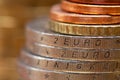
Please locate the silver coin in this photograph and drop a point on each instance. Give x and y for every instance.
(38, 31)
(31, 73)
(73, 53)
(69, 65)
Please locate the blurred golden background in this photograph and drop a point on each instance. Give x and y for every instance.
(14, 14)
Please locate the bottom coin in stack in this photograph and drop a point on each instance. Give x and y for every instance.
(31, 73)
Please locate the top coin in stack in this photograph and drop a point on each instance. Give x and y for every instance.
(90, 9)
(102, 2)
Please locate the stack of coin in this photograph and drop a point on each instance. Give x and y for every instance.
(86, 19)
(82, 41)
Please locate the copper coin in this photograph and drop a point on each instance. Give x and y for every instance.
(90, 9)
(31, 73)
(59, 15)
(106, 2)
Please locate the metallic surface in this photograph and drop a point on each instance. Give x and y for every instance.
(93, 30)
(90, 9)
(58, 14)
(73, 53)
(73, 66)
(30, 73)
(39, 32)
(106, 2)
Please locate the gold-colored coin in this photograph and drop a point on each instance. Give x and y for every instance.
(79, 66)
(92, 30)
(31, 73)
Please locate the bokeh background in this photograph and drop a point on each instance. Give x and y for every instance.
(14, 14)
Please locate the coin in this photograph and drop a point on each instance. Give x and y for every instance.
(58, 14)
(68, 65)
(108, 2)
(38, 31)
(92, 30)
(30, 73)
(90, 9)
(73, 53)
